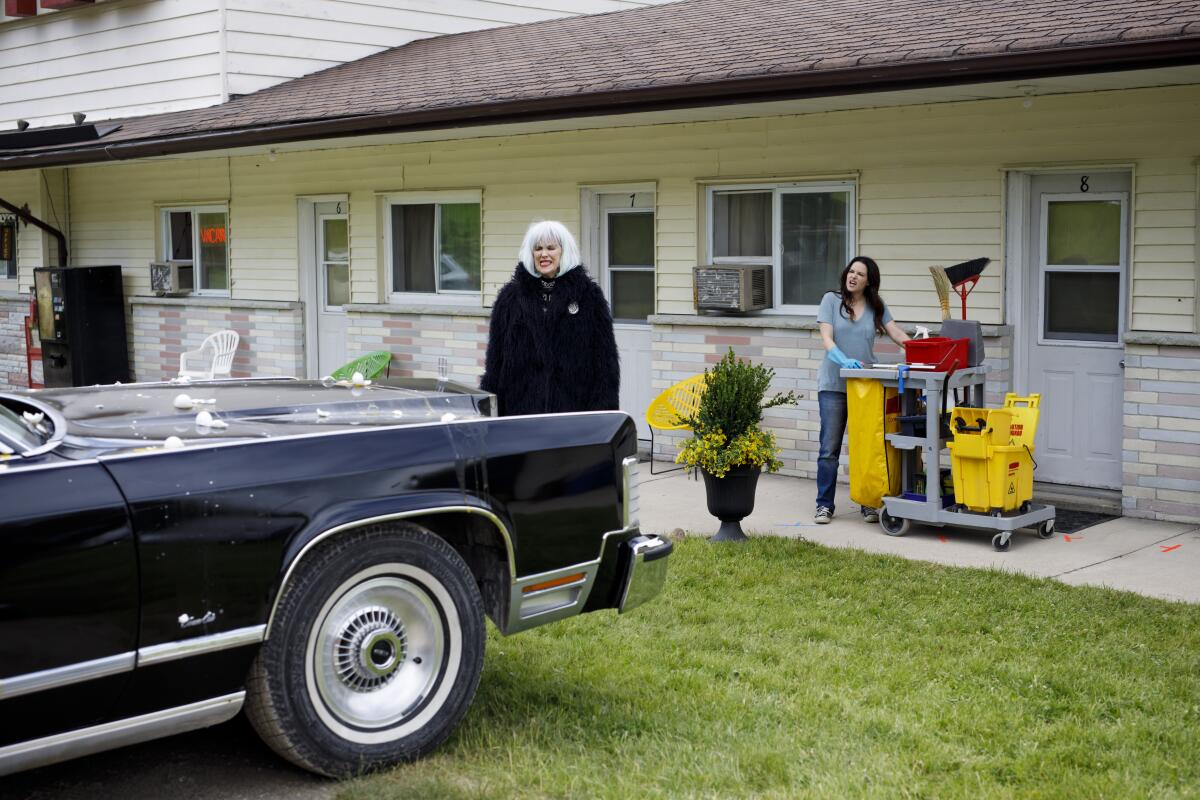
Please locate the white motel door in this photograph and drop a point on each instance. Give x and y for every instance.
(332, 290)
(1072, 321)
(627, 276)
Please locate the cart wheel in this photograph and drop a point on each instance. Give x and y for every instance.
(1045, 529)
(892, 526)
(1000, 543)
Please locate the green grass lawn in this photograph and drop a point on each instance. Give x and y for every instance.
(785, 669)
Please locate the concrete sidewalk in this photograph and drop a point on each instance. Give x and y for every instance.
(1158, 559)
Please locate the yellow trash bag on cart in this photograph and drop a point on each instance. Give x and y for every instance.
(872, 410)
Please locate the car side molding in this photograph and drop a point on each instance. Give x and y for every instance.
(200, 645)
(28, 683)
(85, 741)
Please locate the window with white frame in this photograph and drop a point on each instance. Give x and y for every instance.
(199, 235)
(434, 244)
(805, 231)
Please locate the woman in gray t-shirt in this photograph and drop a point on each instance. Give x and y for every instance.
(849, 320)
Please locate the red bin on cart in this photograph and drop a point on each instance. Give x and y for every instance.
(946, 355)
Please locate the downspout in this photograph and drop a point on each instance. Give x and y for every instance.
(24, 215)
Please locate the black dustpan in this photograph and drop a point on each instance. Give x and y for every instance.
(966, 271)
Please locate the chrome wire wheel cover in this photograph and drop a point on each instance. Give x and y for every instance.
(375, 653)
(370, 649)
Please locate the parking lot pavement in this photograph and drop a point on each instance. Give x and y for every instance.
(1158, 559)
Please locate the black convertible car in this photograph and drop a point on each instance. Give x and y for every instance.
(322, 554)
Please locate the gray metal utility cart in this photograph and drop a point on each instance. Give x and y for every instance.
(929, 439)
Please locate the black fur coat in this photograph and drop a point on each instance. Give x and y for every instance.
(556, 356)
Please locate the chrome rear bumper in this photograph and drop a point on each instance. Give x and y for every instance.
(646, 570)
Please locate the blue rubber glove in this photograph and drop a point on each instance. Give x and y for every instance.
(842, 360)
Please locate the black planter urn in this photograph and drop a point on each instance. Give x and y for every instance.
(731, 499)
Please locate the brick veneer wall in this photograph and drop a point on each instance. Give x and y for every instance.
(418, 337)
(1162, 427)
(683, 347)
(13, 373)
(271, 335)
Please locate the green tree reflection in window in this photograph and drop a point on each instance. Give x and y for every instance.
(1084, 232)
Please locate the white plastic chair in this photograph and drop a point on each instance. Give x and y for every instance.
(216, 351)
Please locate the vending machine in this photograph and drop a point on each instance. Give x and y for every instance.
(81, 319)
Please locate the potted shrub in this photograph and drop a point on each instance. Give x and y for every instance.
(728, 443)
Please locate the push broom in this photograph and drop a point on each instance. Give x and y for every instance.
(961, 278)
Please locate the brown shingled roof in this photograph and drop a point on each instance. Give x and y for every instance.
(690, 53)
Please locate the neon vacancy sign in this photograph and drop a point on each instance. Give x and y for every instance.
(212, 235)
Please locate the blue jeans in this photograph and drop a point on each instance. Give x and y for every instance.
(832, 406)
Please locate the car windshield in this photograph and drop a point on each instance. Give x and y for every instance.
(19, 430)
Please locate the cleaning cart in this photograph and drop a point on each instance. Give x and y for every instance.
(925, 432)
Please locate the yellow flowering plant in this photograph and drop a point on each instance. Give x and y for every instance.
(726, 428)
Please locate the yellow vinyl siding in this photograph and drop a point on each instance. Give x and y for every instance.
(114, 211)
(54, 204)
(676, 213)
(1163, 291)
(908, 222)
(20, 188)
(930, 189)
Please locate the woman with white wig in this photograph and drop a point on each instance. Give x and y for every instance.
(551, 346)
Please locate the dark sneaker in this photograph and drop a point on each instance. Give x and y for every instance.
(870, 515)
(823, 516)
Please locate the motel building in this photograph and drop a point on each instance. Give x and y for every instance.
(372, 193)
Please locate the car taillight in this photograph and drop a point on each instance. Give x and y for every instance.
(630, 468)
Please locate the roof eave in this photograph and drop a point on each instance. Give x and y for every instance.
(812, 83)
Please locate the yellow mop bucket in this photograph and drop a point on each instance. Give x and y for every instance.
(993, 469)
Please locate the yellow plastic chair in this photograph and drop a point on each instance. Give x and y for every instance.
(678, 400)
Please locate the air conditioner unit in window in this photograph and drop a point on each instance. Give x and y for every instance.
(171, 277)
(732, 287)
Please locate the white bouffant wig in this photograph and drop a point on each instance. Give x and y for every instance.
(549, 231)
